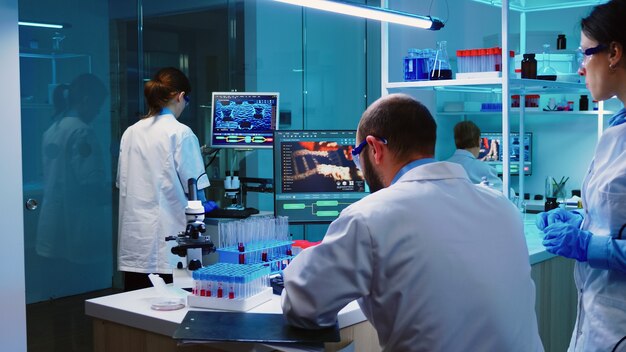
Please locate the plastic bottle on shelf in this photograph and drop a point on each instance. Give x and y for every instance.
(441, 68)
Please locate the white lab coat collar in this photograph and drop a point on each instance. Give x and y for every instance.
(435, 171)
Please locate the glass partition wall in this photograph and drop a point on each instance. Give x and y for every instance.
(320, 64)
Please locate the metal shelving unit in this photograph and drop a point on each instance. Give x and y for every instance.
(504, 85)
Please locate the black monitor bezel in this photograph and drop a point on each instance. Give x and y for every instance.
(239, 146)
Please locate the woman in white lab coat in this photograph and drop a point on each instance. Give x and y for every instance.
(158, 155)
(597, 241)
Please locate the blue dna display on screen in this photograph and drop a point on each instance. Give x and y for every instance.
(315, 177)
(491, 151)
(243, 119)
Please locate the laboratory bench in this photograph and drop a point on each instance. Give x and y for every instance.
(125, 321)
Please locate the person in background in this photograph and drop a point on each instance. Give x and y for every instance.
(158, 155)
(431, 266)
(594, 237)
(467, 141)
(72, 233)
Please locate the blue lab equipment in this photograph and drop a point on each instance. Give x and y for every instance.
(567, 241)
(558, 215)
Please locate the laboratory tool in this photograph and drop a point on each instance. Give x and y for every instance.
(554, 190)
(567, 241)
(258, 240)
(546, 72)
(441, 67)
(192, 243)
(229, 286)
(232, 190)
(561, 42)
(583, 103)
(529, 66)
(417, 64)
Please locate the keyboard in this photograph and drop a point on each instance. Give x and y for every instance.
(231, 213)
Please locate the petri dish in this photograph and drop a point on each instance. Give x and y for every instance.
(167, 303)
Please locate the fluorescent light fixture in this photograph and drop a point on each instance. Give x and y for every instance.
(372, 13)
(39, 24)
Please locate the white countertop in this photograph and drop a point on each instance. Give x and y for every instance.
(133, 308)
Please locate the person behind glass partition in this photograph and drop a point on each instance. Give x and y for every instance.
(71, 225)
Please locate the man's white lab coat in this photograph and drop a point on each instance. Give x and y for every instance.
(437, 263)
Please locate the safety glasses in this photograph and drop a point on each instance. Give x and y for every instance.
(359, 148)
(583, 55)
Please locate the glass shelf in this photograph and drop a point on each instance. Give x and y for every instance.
(492, 85)
(52, 56)
(527, 112)
(542, 5)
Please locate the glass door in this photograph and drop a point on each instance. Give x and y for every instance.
(66, 134)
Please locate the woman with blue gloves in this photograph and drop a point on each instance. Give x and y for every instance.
(594, 238)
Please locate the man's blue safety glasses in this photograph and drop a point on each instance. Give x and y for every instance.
(359, 148)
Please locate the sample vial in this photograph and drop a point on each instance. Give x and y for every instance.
(583, 103)
(561, 42)
(595, 105)
(529, 66)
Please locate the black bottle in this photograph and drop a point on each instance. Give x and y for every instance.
(561, 42)
(529, 66)
(550, 204)
(583, 103)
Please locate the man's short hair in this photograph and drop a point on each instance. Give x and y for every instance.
(406, 123)
(466, 135)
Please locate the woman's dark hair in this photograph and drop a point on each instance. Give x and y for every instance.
(59, 99)
(466, 135)
(165, 84)
(404, 122)
(606, 23)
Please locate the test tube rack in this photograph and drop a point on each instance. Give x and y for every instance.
(233, 287)
(275, 254)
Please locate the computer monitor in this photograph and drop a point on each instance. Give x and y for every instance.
(315, 177)
(243, 120)
(491, 151)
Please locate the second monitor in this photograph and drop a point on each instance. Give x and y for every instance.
(243, 119)
(315, 177)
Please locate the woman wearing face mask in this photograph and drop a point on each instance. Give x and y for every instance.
(158, 155)
(594, 238)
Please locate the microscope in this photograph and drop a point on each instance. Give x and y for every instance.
(192, 243)
(232, 190)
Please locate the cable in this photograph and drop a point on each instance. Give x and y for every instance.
(623, 338)
(212, 158)
(619, 236)
(447, 11)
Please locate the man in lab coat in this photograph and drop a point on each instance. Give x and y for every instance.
(435, 262)
(467, 141)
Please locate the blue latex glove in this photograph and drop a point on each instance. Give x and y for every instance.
(209, 205)
(558, 215)
(567, 240)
